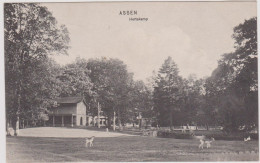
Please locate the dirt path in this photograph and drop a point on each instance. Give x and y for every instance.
(65, 132)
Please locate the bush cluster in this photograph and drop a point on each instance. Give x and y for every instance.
(215, 135)
(173, 134)
(233, 136)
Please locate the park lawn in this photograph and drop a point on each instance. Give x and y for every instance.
(126, 148)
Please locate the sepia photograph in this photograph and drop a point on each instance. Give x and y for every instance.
(130, 81)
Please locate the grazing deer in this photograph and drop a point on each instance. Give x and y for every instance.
(90, 141)
(247, 139)
(203, 140)
(206, 141)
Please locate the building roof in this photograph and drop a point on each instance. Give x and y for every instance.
(70, 100)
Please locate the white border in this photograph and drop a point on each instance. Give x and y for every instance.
(2, 90)
(40, 1)
(2, 81)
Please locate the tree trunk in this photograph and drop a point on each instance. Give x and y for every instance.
(109, 121)
(98, 117)
(140, 123)
(171, 119)
(114, 121)
(23, 123)
(7, 128)
(119, 120)
(15, 125)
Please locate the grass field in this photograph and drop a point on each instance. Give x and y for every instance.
(134, 148)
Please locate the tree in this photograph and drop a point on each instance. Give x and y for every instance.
(142, 99)
(233, 85)
(192, 104)
(39, 90)
(74, 79)
(31, 34)
(168, 92)
(112, 84)
(141, 102)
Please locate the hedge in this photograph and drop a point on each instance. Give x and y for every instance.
(172, 134)
(216, 136)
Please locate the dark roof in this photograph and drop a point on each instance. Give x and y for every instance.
(69, 100)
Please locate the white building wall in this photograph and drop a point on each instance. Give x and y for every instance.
(81, 113)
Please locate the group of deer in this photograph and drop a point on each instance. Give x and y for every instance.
(203, 139)
(207, 141)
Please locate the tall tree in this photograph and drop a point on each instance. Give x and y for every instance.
(112, 83)
(140, 102)
(192, 102)
(141, 98)
(168, 92)
(235, 80)
(74, 79)
(31, 33)
(39, 89)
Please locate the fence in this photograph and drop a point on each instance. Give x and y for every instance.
(192, 128)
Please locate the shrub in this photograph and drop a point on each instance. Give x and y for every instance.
(172, 134)
(233, 136)
(209, 134)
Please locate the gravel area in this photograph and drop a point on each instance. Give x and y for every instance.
(66, 132)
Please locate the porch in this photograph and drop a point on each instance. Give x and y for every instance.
(62, 120)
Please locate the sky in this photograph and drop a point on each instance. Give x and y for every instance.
(194, 34)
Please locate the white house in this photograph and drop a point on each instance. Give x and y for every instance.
(70, 111)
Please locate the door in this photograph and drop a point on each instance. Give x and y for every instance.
(81, 121)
